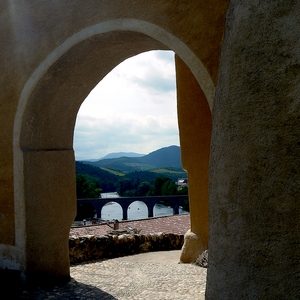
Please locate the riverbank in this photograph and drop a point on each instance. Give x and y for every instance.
(177, 224)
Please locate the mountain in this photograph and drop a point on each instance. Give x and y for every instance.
(164, 157)
(107, 172)
(167, 157)
(152, 174)
(122, 154)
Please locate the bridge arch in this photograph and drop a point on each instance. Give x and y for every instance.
(166, 203)
(100, 213)
(131, 208)
(125, 202)
(44, 127)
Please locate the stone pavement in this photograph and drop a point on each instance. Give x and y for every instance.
(153, 275)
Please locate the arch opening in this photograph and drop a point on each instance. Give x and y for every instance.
(163, 208)
(111, 211)
(44, 129)
(137, 210)
(142, 109)
(132, 111)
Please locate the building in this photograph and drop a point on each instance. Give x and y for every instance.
(182, 182)
(238, 82)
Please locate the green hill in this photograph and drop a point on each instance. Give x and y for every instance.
(108, 173)
(152, 174)
(107, 181)
(164, 158)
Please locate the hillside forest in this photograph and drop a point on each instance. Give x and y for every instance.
(155, 174)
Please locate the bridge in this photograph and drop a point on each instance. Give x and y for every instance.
(124, 202)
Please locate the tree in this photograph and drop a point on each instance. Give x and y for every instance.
(144, 188)
(125, 185)
(169, 188)
(164, 186)
(183, 191)
(186, 205)
(86, 187)
(130, 193)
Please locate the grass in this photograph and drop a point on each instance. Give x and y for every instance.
(167, 171)
(118, 173)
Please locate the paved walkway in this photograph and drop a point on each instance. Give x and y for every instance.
(147, 276)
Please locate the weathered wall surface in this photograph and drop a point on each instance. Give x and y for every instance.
(52, 54)
(30, 31)
(194, 112)
(255, 155)
(88, 248)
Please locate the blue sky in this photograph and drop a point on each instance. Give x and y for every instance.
(133, 109)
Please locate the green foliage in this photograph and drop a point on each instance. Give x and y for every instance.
(186, 205)
(130, 193)
(94, 180)
(124, 185)
(86, 187)
(162, 186)
(105, 180)
(169, 188)
(142, 176)
(144, 189)
(117, 173)
(158, 186)
(121, 164)
(183, 191)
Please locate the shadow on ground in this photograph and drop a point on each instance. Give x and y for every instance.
(72, 290)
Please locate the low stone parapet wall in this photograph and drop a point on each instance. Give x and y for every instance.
(90, 247)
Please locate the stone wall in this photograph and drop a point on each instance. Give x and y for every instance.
(255, 155)
(90, 247)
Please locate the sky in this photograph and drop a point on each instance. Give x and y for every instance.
(133, 109)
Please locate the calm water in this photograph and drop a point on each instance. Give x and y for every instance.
(136, 210)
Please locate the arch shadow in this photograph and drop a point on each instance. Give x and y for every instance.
(71, 290)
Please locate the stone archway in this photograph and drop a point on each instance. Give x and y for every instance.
(43, 150)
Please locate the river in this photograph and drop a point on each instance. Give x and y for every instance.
(136, 210)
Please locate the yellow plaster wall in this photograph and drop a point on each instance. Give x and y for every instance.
(41, 42)
(195, 123)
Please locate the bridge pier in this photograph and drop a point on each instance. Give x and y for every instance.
(176, 209)
(99, 213)
(150, 210)
(125, 214)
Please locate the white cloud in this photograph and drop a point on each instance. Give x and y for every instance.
(132, 109)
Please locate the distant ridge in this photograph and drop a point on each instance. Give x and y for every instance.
(167, 157)
(164, 157)
(122, 154)
(108, 171)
